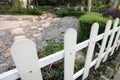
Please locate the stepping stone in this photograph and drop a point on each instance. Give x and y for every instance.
(7, 54)
(17, 31)
(37, 35)
(46, 24)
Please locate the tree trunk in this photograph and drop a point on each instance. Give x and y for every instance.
(115, 3)
(89, 5)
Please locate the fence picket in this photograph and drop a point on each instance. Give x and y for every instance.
(69, 56)
(91, 45)
(104, 41)
(111, 39)
(24, 54)
(115, 42)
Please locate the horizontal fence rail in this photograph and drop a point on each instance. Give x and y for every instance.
(14, 74)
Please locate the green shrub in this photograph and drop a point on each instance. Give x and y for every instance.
(34, 11)
(69, 12)
(45, 8)
(86, 22)
(2, 11)
(62, 12)
(31, 11)
(76, 13)
(52, 47)
(17, 11)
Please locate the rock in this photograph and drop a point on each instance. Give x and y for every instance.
(117, 76)
(40, 29)
(19, 37)
(4, 67)
(20, 19)
(33, 27)
(38, 25)
(103, 78)
(7, 54)
(62, 31)
(42, 17)
(50, 19)
(43, 21)
(47, 24)
(117, 59)
(79, 56)
(109, 73)
(36, 35)
(17, 31)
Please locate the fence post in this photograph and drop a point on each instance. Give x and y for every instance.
(104, 41)
(24, 54)
(69, 56)
(115, 42)
(111, 39)
(91, 45)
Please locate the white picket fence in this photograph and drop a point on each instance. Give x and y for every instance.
(28, 66)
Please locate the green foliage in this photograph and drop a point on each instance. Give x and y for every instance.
(31, 11)
(55, 71)
(16, 4)
(62, 12)
(86, 22)
(95, 74)
(99, 6)
(69, 12)
(52, 47)
(17, 11)
(34, 11)
(2, 11)
(45, 8)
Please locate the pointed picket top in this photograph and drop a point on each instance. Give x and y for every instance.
(24, 54)
(91, 46)
(70, 39)
(104, 41)
(111, 39)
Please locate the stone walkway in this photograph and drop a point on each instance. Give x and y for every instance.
(18, 25)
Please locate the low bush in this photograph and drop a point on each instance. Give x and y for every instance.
(62, 12)
(31, 11)
(17, 11)
(2, 11)
(34, 11)
(69, 12)
(86, 22)
(114, 12)
(45, 8)
(52, 47)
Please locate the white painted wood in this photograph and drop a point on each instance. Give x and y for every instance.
(10, 75)
(111, 39)
(13, 74)
(80, 72)
(115, 42)
(24, 54)
(104, 41)
(118, 44)
(93, 35)
(70, 39)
